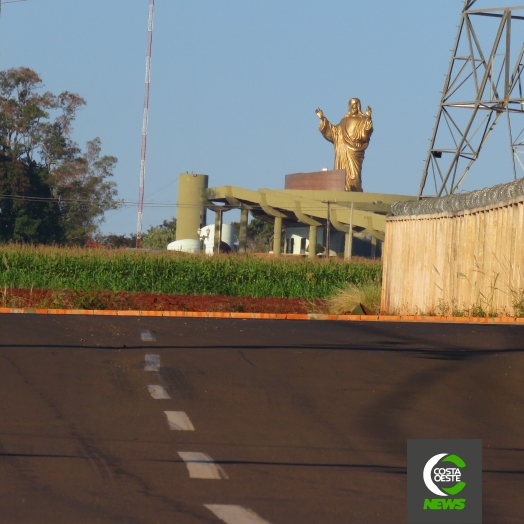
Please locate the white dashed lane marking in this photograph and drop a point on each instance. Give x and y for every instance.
(179, 421)
(146, 335)
(152, 363)
(235, 514)
(158, 392)
(202, 466)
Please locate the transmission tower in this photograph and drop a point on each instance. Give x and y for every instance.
(145, 124)
(482, 86)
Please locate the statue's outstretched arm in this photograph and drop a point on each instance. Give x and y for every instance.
(325, 127)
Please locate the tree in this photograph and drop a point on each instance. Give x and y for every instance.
(117, 241)
(160, 236)
(49, 190)
(85, 193)
(32, 215)
(260, 235)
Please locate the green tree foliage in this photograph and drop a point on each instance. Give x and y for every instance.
(27, 219)
(86, 193)
(259, 235)
(160, 236)
(117, 241)
(49, 190)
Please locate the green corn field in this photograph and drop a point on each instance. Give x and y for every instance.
(177, 273)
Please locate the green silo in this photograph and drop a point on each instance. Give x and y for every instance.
(191, 215)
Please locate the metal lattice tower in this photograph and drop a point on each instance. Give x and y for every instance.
(483, 85)
(145, 124)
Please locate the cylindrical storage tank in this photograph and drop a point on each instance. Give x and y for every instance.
(207, 234)
(187, 246)
(228, 235)
(191, 215)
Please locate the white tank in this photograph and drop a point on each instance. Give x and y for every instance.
(207, 234)
(187, 246)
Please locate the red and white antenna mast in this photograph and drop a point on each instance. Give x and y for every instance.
(145, 124)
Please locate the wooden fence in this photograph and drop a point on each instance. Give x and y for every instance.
(465, 262)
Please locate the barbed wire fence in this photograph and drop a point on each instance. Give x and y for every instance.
(460, 201)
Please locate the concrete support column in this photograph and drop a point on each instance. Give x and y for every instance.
(277, 239)
(312, 241)
(348, 246)
(373, 247)
(218, 231)
(242, 232)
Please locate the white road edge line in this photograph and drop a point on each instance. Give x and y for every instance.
(146, 335)
(235, 514)
(179, 421)
(152, 363)
(202, 466)
(158, 392)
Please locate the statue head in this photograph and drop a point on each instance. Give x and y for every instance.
(354, 107)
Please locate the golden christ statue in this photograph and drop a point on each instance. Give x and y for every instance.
(351, 139)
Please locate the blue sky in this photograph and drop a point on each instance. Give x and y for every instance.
(235, 84)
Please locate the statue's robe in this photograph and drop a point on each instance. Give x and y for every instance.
(350, 139)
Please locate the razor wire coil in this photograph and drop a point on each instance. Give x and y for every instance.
(461, 201)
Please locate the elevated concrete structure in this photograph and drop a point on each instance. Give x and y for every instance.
(353, 213)
(359, 213)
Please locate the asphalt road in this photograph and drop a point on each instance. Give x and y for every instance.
(300, 422)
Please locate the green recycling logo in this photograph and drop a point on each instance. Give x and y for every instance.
(433, 475)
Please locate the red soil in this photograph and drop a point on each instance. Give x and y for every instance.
(48, 299)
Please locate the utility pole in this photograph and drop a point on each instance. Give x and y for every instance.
(349, 253)
(328, 225)
(145, 124)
